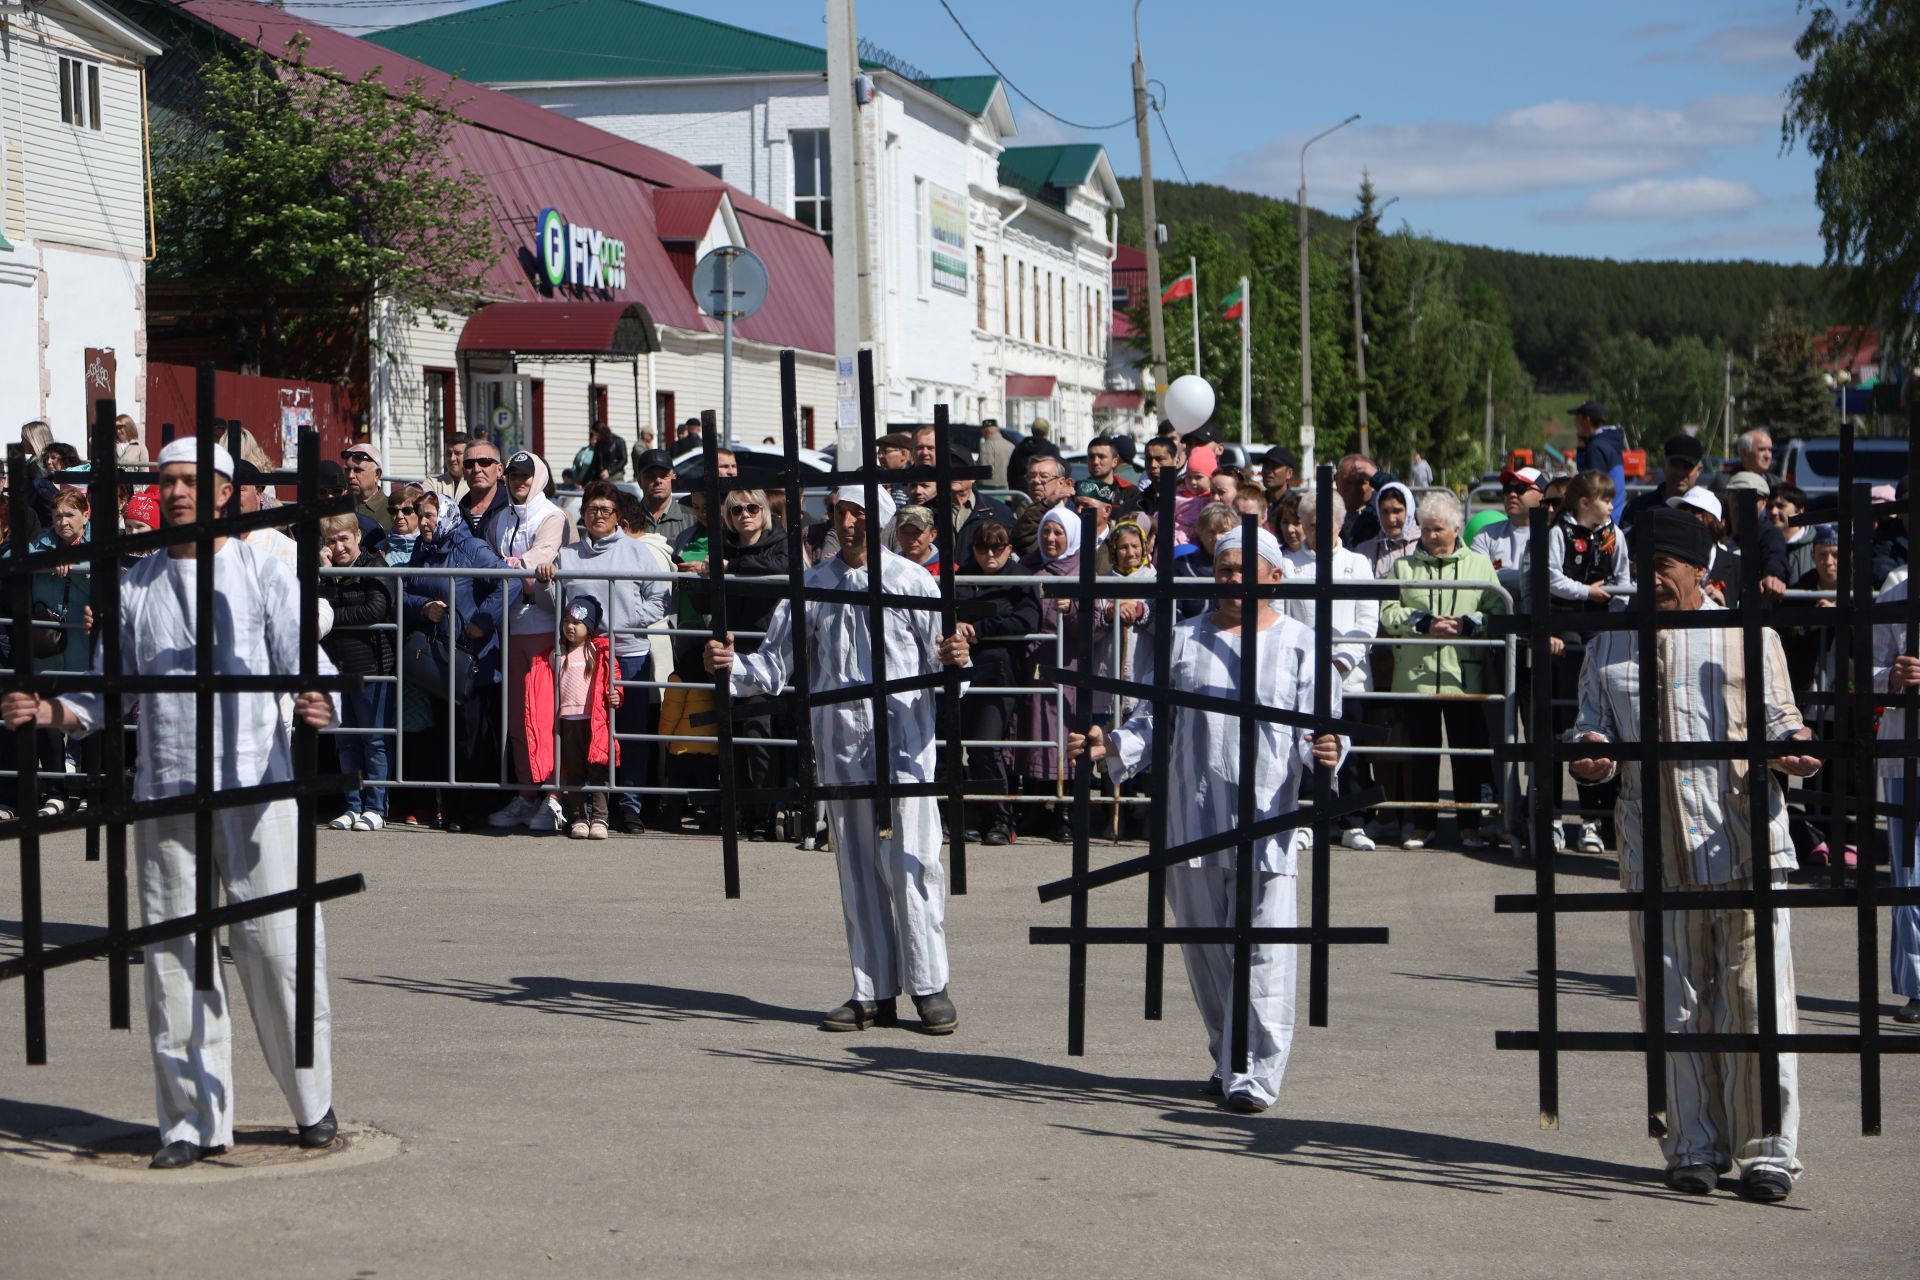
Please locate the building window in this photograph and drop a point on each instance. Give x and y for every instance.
(1006, 296)
(717, 170)
(537, 414)
(80, 93)
(1065, 344)
(806, 427)
(1020, 317)
(813, 181)
(663, 418)
(1036, 304)
(597, 406)
(438, 384)
(980, 289)
(920, 266)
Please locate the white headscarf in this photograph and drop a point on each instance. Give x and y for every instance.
(857, 495)
(1068, 520)
(1412, 528)
(522, 520)
(1266, 546)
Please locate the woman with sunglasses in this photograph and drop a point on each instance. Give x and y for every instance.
(405, 535)
(755, 547)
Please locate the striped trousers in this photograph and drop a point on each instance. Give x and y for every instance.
(1903, 948)
(1711, 985)
(893, 893)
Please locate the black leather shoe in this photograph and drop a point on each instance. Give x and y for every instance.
(1213, 1088)
(629, 824)
(178, 1155)
(1767, 1186)
(1694, 1179)
(1245, 1104)
(938, 1017)
(321, 1132)
(998, 834)
(858, 1015)
(1908, 1013)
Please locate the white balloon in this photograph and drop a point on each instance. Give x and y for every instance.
(1189, 402)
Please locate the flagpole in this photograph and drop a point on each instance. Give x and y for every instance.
(1193, 269)
(1246, 369)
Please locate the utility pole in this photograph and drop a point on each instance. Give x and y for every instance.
(1360, 331)
(1246, 366)
(1306, 316)
(1489, 427)
(1193, 269)
(850, 321)
(1149, 226)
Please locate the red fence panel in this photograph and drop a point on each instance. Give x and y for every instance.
(272, 410)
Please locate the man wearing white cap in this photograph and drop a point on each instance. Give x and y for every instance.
(364, 469)
(258, 613)
(1205, 791)
(892, 888)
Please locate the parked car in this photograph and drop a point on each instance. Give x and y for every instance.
(1814, 464)
(690, 466)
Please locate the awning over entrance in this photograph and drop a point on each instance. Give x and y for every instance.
(1029, 386)
(1118, 400)
(617, 329)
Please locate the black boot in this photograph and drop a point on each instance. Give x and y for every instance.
(937, 1014)
(321, 1132)
(858, 1015)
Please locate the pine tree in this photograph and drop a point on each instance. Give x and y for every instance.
(1785, 393)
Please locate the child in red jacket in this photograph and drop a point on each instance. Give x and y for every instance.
(579, 704)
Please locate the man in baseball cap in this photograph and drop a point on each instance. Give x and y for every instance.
(1602, 448)
(365, 466)
(1681, 471)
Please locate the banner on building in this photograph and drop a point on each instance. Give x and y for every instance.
(947, 217)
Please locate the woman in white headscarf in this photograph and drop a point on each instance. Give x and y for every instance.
(1056, 553)
(527, 533)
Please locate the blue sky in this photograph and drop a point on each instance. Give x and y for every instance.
(1626, 130)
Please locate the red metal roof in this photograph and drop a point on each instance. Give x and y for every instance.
(1122, 327)
(1128, 258)
(685, 213)
(1118, 400)
(533, 159)
(1030, 386)
(561, 328)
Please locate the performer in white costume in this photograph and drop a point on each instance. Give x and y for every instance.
(1711, 966)
(1896, 671)
(892, 887)
(257, 614)
(1204, 800)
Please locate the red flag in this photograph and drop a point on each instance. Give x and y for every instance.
(1181, 288)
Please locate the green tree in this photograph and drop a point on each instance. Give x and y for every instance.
(1855, 111)
(1784, 390)
(300, 197)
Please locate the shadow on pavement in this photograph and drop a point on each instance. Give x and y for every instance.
(633, 1002)
(1379, 1152)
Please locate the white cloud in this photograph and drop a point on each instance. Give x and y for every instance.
(1541, 147)
(1662, 200)
(1768, 242)
(1764, 46)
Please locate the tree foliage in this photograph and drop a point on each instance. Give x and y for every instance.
(1785, 393)
(1653, 390)
(1855, 110)
(299, 196)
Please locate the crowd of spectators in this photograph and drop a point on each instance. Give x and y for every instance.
(527, 680)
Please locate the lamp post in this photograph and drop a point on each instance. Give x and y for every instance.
(1837, 383)
(1306, 319)
(1359, 329)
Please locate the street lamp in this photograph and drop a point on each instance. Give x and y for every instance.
(1837, 382)
(1306, 320)
(1359, 330)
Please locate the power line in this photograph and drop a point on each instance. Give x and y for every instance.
(1027, 97)
(1168, 135)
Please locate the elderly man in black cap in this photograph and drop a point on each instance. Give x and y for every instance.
(1279, 469)
(970, 510)
(660, 513)
(1714, 1110)
(1681, 472)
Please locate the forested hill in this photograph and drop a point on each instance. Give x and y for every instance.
(1560, 308)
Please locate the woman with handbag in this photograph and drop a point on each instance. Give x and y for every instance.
(62, 637)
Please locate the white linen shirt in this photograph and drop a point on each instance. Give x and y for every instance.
(1203, 791)
(256, 633)
(1355, 622)
(839, 655)
(1887, 645)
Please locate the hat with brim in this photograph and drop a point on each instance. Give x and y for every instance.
(1699, 499)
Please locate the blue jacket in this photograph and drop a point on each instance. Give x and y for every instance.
(1607, 451)
(477, 600)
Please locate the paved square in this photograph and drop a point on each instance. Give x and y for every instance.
(594, 1065)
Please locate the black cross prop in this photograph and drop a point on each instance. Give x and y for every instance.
(109, 804)
(795, 478)
(1167, 703)
(1854, 809)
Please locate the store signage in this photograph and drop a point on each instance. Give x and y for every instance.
(571, 254)
(947, 212)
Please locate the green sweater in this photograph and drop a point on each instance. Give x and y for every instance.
(1442, 669)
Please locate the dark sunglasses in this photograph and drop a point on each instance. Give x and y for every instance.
(1519, 488)
(354, 455)
(405, 511)
(599, 509)
(1549, 502)
(749, 508)
(480, 462)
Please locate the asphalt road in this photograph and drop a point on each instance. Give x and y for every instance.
(593, 1064)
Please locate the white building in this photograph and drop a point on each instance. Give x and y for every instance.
(988, 276)
(73, 215)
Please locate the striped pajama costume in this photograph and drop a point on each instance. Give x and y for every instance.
(1710, 979)
(1903, 959)
(892, 890)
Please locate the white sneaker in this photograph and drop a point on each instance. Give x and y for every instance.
(1413, 838)
(1355, 838)
(344, 822)
(516, 813)
(1473, 841)
(547, 816)
(1559, 838)
(1590, 841)
(369, 822)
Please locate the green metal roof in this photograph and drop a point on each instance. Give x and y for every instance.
(591, 40)
(1049, 173)
(535, 40)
